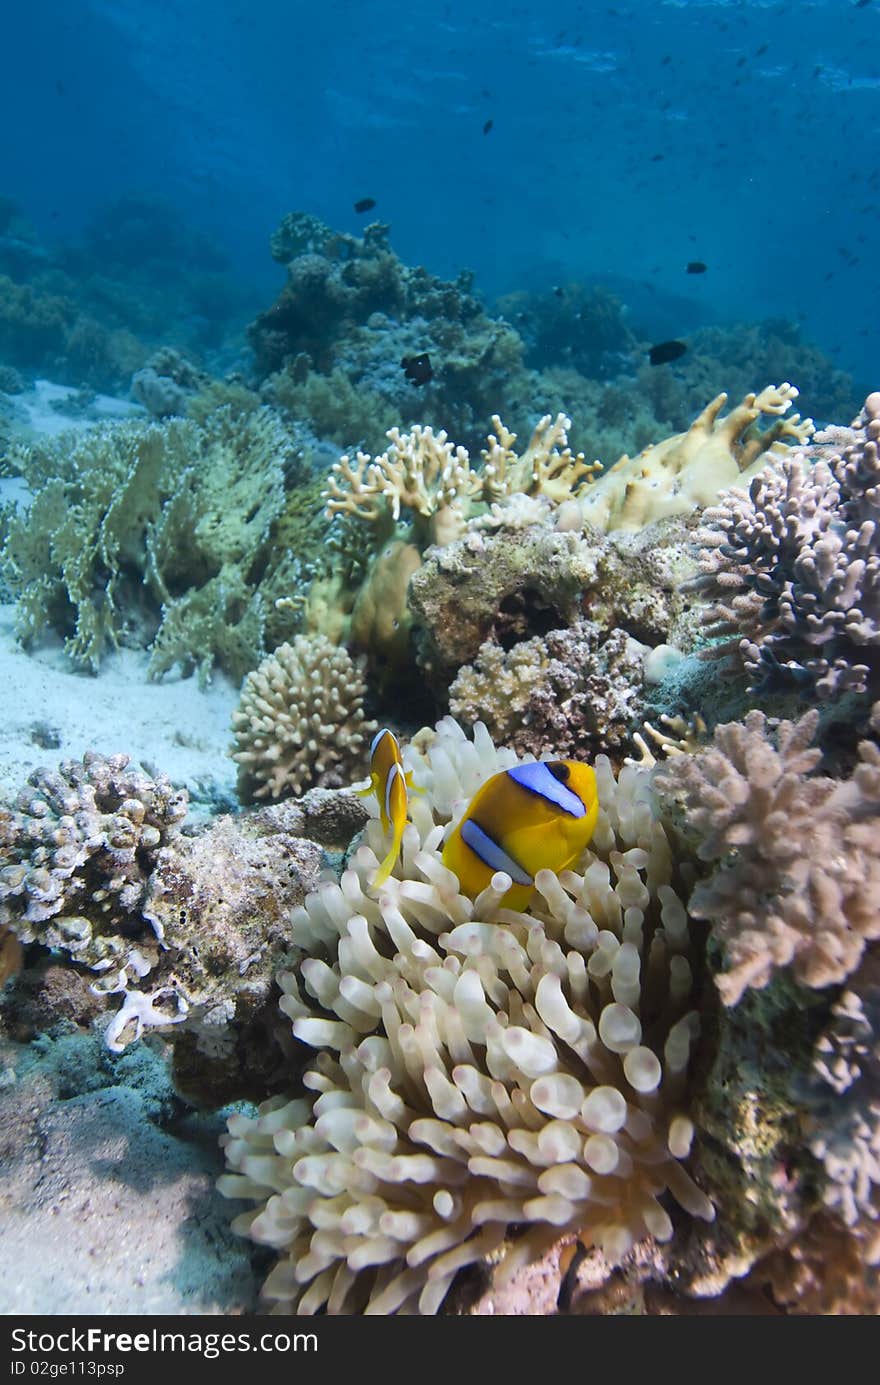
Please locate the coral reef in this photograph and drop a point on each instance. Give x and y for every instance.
(300, 721)
(166, 382)
(480, 1069)
(571, 692)
(350, 304)
(151, 535)
(796, 856)
(435, 483)
(516, 582)
(579, 326)
(791, 567)
(186, 931)
(844, 1100)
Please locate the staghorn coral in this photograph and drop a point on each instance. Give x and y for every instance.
(791, 567)
(479, 1070)
(687, 471)
(300, 720)
(572, 692)
(796, 856)
(422, 473)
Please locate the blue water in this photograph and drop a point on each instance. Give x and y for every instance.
(626, 139)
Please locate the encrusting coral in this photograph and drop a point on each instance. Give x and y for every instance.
(792, 566)
(570, 692)
(79, 844)
(300, 721)
(796, 856)
(479, 1070)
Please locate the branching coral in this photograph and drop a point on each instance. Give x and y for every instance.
(687, 471)
(845, 1099)
(300, 720)
(479, 1070)
(796, 856)
(426, 475)
(792, 568)
(547, 467)
(421, 472)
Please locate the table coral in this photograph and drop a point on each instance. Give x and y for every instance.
(795, 856)
(791, 568)
(300, 720)
(479, 1070)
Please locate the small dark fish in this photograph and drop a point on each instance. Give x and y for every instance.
(860, 4)
(366, 204)
(666, 351)
(488, 126)
(759, 52)
(558, 290)
(417, 369)
(657, 158)
(696, 267)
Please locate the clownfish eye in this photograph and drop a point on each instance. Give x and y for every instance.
(559, 769)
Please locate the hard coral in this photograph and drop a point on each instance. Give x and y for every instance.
(79, 845)
(435, 483)
(845, 1099)
(480, 1070)
(571, 693)
(792, 567)
(300, 720)
(796, 856)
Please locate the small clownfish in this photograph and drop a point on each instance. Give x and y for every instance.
(388, 781)
(521, 821)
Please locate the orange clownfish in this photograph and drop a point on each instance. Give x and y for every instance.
(388, 781)
(521, 821)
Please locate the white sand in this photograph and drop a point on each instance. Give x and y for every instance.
(170, 726)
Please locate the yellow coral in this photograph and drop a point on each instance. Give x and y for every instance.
(689, 470)
(541, 470)
(420, 471)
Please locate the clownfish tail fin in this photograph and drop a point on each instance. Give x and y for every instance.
(390, 860)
